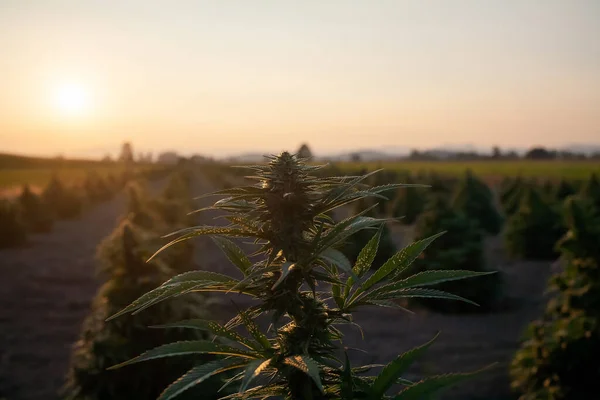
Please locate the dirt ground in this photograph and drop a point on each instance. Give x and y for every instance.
(46, 289)
(45, 293)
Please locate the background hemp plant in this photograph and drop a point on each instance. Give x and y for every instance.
(301, 356)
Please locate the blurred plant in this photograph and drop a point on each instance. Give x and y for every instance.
(96, 188)
(63, 202)
(558, 359)
(534, 229)
(563, 190)
(36, 216)
(461, 247)
(475, 199)
(510, 194)
(408, 204)
(286, 213)
(12, 229)
(591, 190)
(102, 344)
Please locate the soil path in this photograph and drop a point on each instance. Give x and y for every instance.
(45, 293)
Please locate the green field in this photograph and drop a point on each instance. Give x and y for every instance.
(39, 177)
(16, 171)
(553, 169)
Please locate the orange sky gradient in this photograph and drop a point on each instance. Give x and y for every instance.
(227, 77)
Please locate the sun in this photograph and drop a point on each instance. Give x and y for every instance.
(71, 99)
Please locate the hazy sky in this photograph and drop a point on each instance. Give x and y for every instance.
(222, 77)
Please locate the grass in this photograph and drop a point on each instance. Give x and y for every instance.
(490, 169)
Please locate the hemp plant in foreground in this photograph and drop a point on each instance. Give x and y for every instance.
(307, 287)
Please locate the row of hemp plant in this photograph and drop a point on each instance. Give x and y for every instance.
(558, 358)
(302, 281)
(122, 262)
(33, 213)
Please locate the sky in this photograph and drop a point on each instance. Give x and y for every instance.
(228, 77)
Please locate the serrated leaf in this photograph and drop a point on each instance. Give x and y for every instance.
(286, 268)
(187, 347)
(346, 386)
(189, 233)
(252, 371)
(177, 285)
(233, 253)
(400, 261)
(157, 295)
(336, 258)
(254, 330)
(200, 276)
(393, 371)
(388, 304)
(199, 374)
(212, 327)
(418, 292)
(262, 392)
(367, 254)
(427, 278)
(432, 385)
(306, 365)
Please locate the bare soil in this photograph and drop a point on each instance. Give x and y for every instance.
(46, 289)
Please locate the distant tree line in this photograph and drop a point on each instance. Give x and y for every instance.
(535, 153)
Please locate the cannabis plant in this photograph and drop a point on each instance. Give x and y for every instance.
(461, 247)
(559, 358)
(474, 198)
(510, 194)
(563, 190)
(304, 284)
(534, 229)
(35, 215)
(12, 228)
(102, 343)
(96, 188)
(62, 201)
(408, 204)
(356, 242)
(591, 190)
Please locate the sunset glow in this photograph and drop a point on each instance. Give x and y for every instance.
(71, 99)
(230, 77)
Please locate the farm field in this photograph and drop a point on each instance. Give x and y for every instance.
(490, 169)
(11, 180)
(45, 273)
(342, 200)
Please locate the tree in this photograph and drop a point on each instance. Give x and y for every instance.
(496, 153)
(558, 358)
(304, 151)
(540, 153)
(126, 155)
